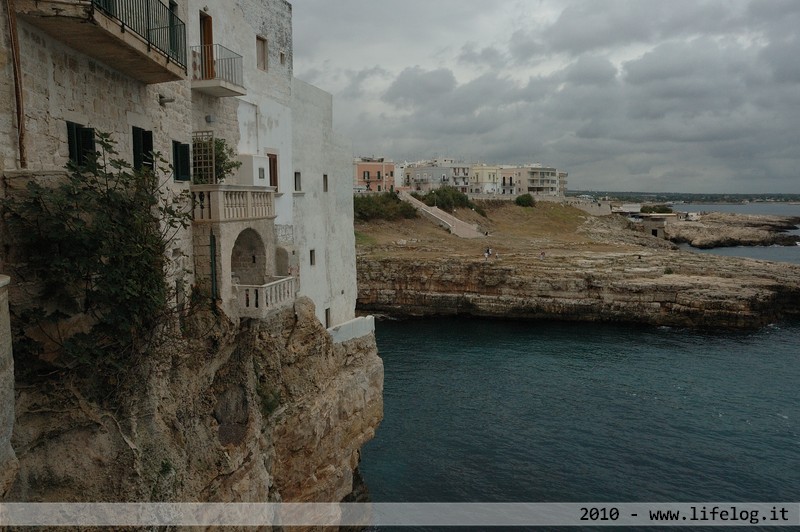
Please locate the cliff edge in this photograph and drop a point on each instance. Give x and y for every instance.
(554, 262)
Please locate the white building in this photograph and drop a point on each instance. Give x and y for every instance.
(173, 76)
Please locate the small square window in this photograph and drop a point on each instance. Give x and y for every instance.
(312, 257)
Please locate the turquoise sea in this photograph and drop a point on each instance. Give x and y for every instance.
(506, 411)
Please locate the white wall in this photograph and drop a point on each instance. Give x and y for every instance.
(323, 220)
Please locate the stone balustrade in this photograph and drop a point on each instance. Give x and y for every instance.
(255, 301)
(223, 203)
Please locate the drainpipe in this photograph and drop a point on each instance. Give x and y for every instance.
(12, 28)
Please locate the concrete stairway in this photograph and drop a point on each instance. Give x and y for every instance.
(457, 227)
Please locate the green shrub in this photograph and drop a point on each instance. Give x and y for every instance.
(525, 200)
(656, 209)
(385, 206)
(95, 242)
(449, 198)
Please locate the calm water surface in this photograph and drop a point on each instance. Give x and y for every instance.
(505, 411)
(494, 411)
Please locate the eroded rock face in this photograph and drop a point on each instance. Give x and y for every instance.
(728, 229)
(8, 461)
(269, 411)
(643, 286)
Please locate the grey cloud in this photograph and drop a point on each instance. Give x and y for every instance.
(354, 88)
(415, 86)
(489, 56)
(591, 70)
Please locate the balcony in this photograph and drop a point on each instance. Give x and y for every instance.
(256, 301)
(217, 71)
(142, 39)
(227, 203)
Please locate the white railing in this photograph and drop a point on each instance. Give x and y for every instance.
(222, 203)
(255, 301)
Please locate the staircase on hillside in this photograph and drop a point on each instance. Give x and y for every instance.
(457, 227)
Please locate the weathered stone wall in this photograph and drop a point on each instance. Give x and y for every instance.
(8, 461)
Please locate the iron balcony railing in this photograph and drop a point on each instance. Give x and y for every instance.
(214, 61)
(152, 21)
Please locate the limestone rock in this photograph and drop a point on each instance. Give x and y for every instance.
(272, 410)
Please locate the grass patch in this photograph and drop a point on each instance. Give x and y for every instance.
(363, 239)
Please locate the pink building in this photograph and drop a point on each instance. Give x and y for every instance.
(373, 174)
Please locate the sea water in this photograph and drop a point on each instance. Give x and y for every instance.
(483, 410)
(499, 411)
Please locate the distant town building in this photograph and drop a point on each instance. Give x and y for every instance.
(424, 176)
(373, 174)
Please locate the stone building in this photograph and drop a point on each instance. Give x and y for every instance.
(177, 77)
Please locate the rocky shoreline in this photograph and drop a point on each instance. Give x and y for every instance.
(718, 229)
(601, 272)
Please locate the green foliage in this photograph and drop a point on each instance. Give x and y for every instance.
(525, 200)
(448, 199)
(657, 209)
(385, 206)
(668, 271)
(95, 242)
(225, 161)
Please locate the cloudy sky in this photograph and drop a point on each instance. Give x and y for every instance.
(647, 95)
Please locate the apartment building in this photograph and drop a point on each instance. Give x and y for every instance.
(373, 174)
(177, 77)
(424, 176)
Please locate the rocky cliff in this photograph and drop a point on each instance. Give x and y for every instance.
(718, 229)
(584, 268)
(271, 410)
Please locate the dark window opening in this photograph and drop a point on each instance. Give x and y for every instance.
(312, 255)
(297, 182)
(273, 170)
(142, 149)
(327, 318)
(324, 182)
(80, 140)
(181, 161)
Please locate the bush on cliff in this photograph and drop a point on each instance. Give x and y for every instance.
(656, 209)
(386, 206)
(448, 199)
(95, 244)
(525, 200)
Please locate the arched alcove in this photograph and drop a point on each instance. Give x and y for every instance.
(249, 259)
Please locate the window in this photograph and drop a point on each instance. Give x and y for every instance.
(273, 170)
(283, 58)
(324, 182)
(327, 318)
(297, 183)
(80, 140)
(379, 174)
(142, 148)
(181, 161)
(312, 257)
(261, 173)
(366, 175)
(261, 52)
